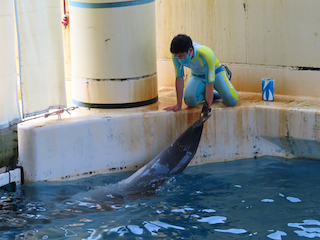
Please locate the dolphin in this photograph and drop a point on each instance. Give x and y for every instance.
(147, 180)
(171, 161)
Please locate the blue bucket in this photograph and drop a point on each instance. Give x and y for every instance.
(268, 89)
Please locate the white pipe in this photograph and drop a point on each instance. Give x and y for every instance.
(113, 51)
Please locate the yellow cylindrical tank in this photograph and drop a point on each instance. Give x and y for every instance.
(113, 53)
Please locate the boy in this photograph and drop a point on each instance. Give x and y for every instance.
(206, 73)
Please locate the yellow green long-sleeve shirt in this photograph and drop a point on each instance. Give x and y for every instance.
(204, 62)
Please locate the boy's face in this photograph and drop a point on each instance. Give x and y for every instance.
(184, 54)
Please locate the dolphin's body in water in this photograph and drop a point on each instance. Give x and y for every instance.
(147, 179)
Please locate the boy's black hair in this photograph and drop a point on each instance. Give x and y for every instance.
(180, 44)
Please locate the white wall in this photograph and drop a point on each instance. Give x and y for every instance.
(257, 38)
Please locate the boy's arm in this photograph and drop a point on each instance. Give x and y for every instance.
(179, 93)
(209, 93)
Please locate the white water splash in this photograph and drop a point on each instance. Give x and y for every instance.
(120, 230)
(92, 236)
(188, 208)
(166, 225)
(208, 210)
(309, 232)
(182, 210)
(68, 233)
(88, 204)
(293, 199)
(154, 226)
(213, 219)
(232, 230)
(109, 196)
(135, 229)
(277, 235)
(153, 229)
(178, 210)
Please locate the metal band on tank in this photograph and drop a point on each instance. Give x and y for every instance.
(109, 5)
(115, 105)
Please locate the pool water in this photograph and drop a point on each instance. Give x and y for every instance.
(263, 198)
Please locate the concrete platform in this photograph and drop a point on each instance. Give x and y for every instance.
(92, 141)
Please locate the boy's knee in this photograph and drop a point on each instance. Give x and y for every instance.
(190, 101)
(233, 99)
(231, 102)
(193, 98)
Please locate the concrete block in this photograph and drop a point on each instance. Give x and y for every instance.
(100, 141)
(4, 179)
(15, 175)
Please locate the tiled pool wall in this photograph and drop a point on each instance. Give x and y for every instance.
(100, 143)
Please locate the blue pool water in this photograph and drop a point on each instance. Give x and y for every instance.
(263, 198)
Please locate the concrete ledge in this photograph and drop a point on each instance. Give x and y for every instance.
(105, 140)
(10, 177)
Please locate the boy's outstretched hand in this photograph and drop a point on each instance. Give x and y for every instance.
(173, 108)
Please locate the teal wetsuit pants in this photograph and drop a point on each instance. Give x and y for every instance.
(195, 90)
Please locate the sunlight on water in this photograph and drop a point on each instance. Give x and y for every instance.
(265, 198)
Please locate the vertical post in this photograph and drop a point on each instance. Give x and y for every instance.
(113, 53)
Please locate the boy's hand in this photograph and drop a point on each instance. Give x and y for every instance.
(173, 108)
(205, 110)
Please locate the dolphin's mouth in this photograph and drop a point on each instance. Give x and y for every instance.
(202, 120)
